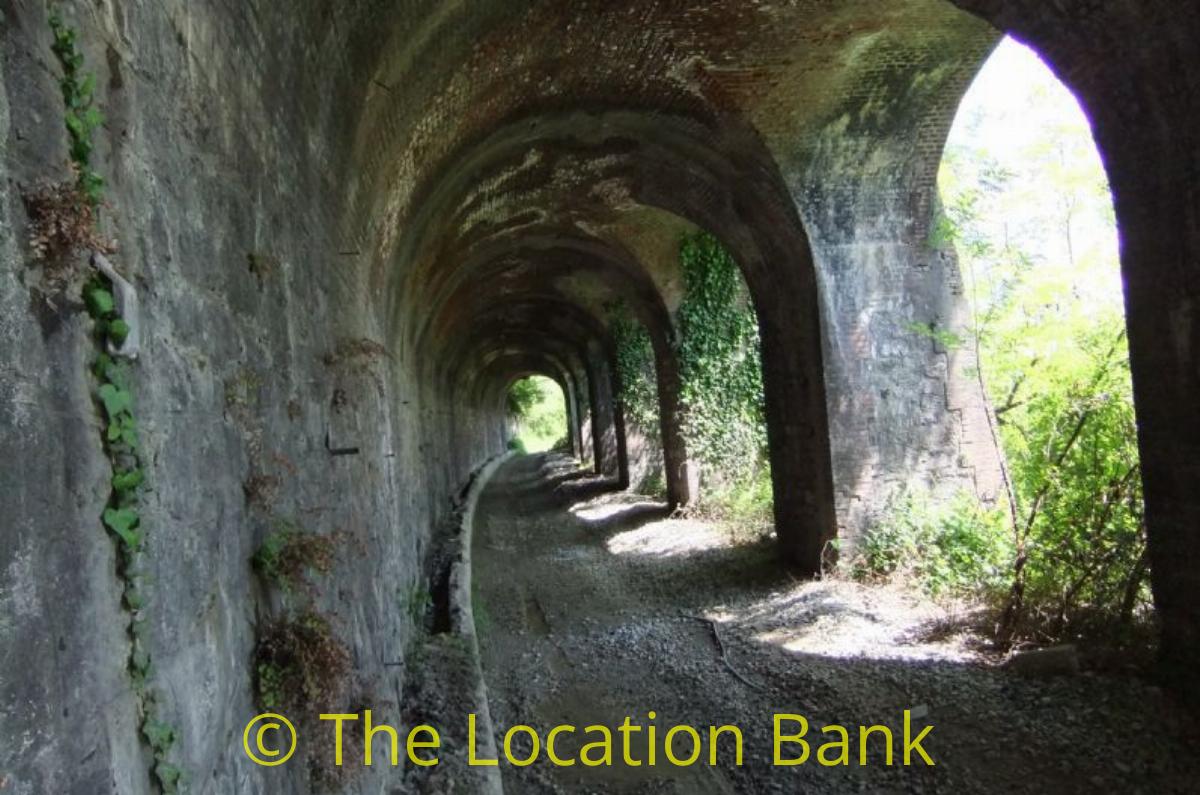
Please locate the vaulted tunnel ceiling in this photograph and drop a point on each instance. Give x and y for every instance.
(506, 154)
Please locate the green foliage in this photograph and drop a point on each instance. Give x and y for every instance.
(523, 395)
(943, 337)
(638, 392)
(655, 485)
(67, 225)
(517, 445)
(539, 407)
(120, 428)
(271, 683)
(720, 365)
(949, 547)
(745, 507)
(81, 117)
(1033, 225)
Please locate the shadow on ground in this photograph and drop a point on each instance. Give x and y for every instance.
(599, 606)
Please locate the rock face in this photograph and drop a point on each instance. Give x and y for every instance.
(352, 223)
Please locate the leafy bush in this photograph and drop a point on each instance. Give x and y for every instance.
(745, 507)
(949, 548)
(517, 445)
(1032, 221)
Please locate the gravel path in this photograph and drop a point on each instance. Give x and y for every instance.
(593, 606)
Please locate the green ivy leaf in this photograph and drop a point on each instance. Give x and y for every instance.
(99, 302)
(115, 400)
(118, 331)
(87, 86)
(92, 118)
(169, 777)
(134, 599)
(124, 522)
(161, 736)
(125, 482)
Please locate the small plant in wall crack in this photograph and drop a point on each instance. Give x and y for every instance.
(122, 516)
(82, 117)
(64, 216)
(289, 554)
(300, 666)
(300, 663)
(62, 226)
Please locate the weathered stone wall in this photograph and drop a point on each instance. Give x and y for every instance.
(906, 408)
(220, 143)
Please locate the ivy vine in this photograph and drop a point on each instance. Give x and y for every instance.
(119, 427)
(81, 116)
(638, 393)
(720, 363)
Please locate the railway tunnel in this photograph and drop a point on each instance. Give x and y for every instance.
(351, 226)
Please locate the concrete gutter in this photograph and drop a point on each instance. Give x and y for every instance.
(464, 618)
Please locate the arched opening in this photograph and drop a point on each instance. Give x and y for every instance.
(1027, 210)
(537, 408)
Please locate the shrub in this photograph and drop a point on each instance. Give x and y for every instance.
(951, 548)
(745, 507)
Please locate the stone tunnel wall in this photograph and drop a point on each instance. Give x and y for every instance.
(219, 146)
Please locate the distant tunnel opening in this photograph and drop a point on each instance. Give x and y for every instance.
(537, 408)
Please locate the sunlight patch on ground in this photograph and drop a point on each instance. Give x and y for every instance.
(833, 618)
(668, 538)
(594, 512)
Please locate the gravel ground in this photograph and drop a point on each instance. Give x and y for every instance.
(593, 606)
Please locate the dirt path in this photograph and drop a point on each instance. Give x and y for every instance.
(592, 607)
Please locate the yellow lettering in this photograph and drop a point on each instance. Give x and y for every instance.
(670, 746)
(865, 733)
(625, 729)
(651, 740)
(794, 739)
(605, 746)
(508, 743)
(843, 758)
(413, 744)
(550, 745)
(369, 732)
(910, 745)
(472, 760)
(714, 733)
(337, 718)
